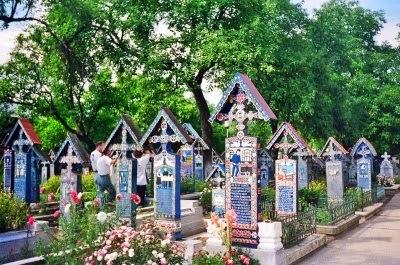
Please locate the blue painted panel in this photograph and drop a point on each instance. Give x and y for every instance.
(20, 181)
(286, 199)
(199, 167)
(8, 171)
(126, 186)
(364, 174)
(34, 177)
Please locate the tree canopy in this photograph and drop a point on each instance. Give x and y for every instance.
(85, 62)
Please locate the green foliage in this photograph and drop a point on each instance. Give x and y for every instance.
(13, 212)
(86, 66)
(89, 187)
(239, 257)
(52, 185)
(397, 180)
(357, 195)
(310, 196)
(80, 232)
(206, 200)
(191, 184)
(50, 131)
(268, 194)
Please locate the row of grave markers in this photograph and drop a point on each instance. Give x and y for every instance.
(245, 169)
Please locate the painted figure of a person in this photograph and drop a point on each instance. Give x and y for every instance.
(235, 159)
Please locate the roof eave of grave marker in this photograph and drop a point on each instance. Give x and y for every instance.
(132, 129)
(335, 143)
(253, 94)
(287, 127)
(28, 130)
(367, 143)
(194, 135)
(76, 146)
(173, 123)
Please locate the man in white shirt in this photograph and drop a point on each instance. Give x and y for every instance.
(102, 179)
(95, 155)
(143, 159)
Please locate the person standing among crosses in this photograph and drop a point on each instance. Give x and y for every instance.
(103, 180)
(95, 155)
(235, 163)
(143, 159)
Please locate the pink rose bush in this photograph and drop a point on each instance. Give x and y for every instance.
(144, 245)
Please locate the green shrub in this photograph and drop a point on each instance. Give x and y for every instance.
(52, 185)
(13, 212)
(206, 200)
(268, 194)
(190, 185)
(397, 180)
(312, 194)
(89, 187)
(355, 194)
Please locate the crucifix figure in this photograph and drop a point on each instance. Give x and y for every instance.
(164, 137)
(239, 113)
(331, 153)
(385, 156)
(285, 145)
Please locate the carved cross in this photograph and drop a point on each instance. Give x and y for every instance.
(364, 152)
(385, 156)
(123, 147)
(69, 159)
(21, 142)
(331, 153)
(239, 113)
(164, 137)
(285, 145)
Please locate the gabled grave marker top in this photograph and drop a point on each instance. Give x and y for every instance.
(333, 148)
(361, 144)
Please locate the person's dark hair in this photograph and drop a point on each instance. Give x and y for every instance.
(138, 153)
(106, 152)
(99, 143)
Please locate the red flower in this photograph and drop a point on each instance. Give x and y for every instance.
(57, 214)
(31, 220)
(42, 190)
(118, 197)
(135, 198)
(51, 197)
(74, 197)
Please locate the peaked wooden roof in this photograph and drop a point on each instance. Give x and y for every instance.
(251, 91)
(336, 144)
(73, 141)
(194, 135)
(28, 130)
(132, 129)
(174, 124)
(288, 128)
(358, 145)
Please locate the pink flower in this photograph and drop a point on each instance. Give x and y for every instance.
(42, 190)
(74, 197)
(57, 214)
(31, 220)
(51, 197)
(118, 197)
(246, 261)
(230, 216)
(230, 262)
(36, 206)
(135, 198)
